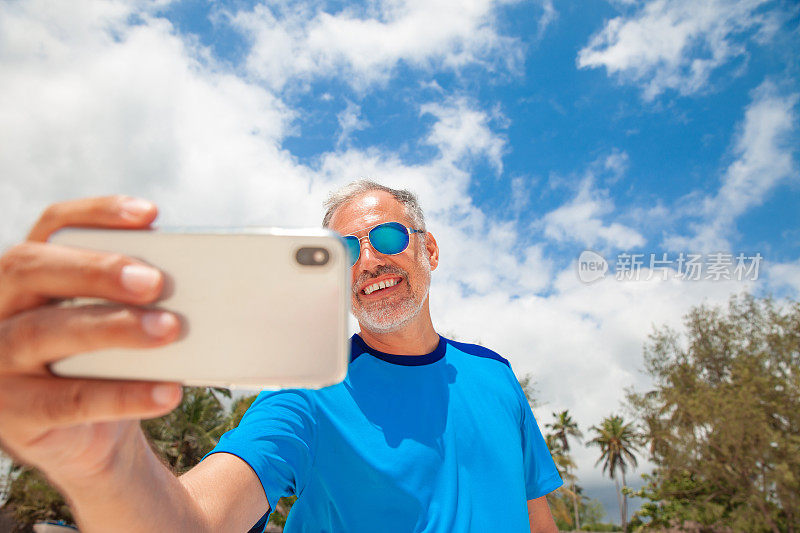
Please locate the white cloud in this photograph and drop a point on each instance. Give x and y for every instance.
(463, 132)
(785, 276)
(764, 150)
(616, 163)
(549, 16)
(135, 111)
(520, 194)
(101, 106)
(302, 41)
(350, 120)
(675, 44)
(581, 220)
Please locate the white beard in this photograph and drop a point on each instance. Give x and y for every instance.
(387, 317)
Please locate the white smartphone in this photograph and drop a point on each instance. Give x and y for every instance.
(261, 308)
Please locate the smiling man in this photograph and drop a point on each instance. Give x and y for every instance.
(371, 216)
(424, 434)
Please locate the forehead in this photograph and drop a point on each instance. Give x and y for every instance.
(366, 210)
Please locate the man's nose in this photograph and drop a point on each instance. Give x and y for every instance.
(369, 258)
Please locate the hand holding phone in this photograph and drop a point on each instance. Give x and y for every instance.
(76, 429)
(259, 307)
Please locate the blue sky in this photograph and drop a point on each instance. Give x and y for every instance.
(531, 130)
(556, 118)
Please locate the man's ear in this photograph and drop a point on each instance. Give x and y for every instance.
(433, 250)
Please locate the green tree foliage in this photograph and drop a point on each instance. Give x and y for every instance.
(238, 410)
(33, 499)
(281, 513)
(567, 504)
(563, 461)
(560, 501)
(528, 386)
(723, 418)
(617, 442)
(180, 438)
(591, 512)
(564, 427)
(189, 432)
(592, 515)
(560, 508)
(594, 528)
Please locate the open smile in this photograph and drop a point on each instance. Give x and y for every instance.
(381, 286)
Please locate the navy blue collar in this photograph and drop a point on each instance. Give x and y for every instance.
(358, 347)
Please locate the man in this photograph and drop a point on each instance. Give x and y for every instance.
(424, 433)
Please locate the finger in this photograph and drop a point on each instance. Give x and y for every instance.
(105, 212)
(31, 271)
(34, 402)
(31, 340)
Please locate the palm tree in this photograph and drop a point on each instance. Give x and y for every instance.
(564, 463)
(238, 409)
(563, 428)
(617, 441)
(562, 460)
(186, 434)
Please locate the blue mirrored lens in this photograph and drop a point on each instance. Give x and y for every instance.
(353, 248)
(389, 238)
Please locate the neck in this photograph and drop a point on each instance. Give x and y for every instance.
(416, 338)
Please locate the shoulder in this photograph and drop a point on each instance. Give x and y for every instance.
(478, 351)
(286, 400)
(490, 377)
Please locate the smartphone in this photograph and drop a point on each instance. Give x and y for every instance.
(261, 308)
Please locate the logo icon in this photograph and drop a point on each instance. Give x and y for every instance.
(591, 266)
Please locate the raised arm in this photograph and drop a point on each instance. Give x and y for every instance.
(138, 493)
(84, 434)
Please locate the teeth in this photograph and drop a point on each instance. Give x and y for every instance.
(380, 285)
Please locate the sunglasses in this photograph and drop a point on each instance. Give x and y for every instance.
(389, 238)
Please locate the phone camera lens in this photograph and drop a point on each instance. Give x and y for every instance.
(310, 256)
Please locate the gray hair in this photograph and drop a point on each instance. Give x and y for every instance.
(344, 194)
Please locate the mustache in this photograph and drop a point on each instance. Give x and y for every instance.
(379, 271)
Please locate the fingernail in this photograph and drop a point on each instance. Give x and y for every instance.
(135, 208)
(139, 279)
(165, 394)
(158, 323)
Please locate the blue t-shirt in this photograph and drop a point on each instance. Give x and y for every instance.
(440, 442)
